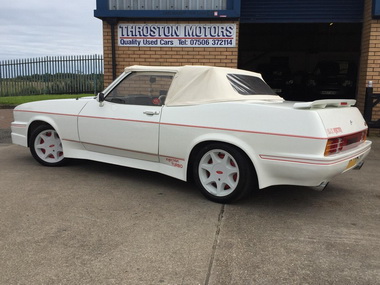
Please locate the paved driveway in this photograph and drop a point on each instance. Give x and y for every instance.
(92, 223)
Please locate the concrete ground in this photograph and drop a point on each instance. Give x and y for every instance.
(92, 223)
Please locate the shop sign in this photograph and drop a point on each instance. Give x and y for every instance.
(177, 35)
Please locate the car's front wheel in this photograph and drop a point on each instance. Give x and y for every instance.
(46, 146)
(223, 173)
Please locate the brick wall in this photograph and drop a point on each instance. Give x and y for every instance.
(370, 58)
(171, 56)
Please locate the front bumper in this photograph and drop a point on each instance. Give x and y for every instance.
(19, 133)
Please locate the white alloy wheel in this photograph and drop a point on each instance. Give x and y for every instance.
(46, 146)
(223, 172)
(218, 172)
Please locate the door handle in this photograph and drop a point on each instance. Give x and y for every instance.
(151, 113)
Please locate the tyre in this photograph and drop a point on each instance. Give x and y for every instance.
(223, 173)
(46, 146)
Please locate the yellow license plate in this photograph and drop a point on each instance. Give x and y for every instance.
(352, 163)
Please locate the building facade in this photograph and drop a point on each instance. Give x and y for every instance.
(305, 50)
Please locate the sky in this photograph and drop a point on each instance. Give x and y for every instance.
(38, 28)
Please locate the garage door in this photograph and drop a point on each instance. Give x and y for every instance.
(301, 11)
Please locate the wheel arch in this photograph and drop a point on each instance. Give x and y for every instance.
(241, 147)
(35, 124)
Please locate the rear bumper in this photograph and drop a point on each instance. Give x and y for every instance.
(310, 171)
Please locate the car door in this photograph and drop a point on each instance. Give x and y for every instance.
(127, 122)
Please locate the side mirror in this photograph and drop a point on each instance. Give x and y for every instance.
(100, 98)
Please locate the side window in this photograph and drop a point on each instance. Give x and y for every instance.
(142, 88)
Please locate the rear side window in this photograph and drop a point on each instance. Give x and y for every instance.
(249, 85)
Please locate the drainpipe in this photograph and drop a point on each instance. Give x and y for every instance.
(113, 22)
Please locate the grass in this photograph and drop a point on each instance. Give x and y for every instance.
(17, 100)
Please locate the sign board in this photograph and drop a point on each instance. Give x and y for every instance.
(177, 35)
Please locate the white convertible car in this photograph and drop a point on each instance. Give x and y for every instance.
(223, 128)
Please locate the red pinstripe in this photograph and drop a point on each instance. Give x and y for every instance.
(186, 126)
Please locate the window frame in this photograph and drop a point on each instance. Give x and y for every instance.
(124, 77)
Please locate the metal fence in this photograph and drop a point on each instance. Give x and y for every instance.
(52, 75)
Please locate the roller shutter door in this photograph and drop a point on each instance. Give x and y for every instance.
(301, 11)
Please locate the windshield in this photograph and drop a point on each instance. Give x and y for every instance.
(249, 85)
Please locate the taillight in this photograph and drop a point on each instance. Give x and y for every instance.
(333, 146)
(336, 145)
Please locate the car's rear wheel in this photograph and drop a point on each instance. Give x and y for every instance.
(223, 173)
(46, 146)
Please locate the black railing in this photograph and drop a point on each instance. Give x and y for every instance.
(371, 100)
(52, 75)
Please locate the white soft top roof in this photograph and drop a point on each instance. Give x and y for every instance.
(193, 85)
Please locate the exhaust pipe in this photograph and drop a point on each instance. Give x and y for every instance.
(321, 186)
(359, 165)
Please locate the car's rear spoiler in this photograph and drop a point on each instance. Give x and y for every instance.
(320, 104)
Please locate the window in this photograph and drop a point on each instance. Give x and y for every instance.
(142, 88)
(249, 85)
